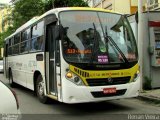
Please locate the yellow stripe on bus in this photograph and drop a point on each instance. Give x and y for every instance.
(93, 9)
(89, 74)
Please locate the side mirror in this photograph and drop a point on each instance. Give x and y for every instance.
(58, 31)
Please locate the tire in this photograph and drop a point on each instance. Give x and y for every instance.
(12, 84)
(40, 90)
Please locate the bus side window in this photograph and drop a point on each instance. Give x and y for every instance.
(9, 47)
(25, 42)
(5, 52)
(37, 42)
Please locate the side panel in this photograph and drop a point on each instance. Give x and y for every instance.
(23, 68)
(34, 65)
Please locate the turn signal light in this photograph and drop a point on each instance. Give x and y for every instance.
(69, 75)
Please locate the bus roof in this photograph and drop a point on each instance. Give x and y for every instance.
(57, 10)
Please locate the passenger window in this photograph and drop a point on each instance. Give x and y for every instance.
(26, 35)
(37, 42)
(25, 46)
(10, 51)
(25, 42)
(10, 42)
(15, 49)
(38, 29)
(17, 39)
(15, 45)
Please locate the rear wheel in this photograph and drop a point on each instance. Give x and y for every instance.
(40, 90)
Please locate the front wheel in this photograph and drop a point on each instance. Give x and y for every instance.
(40, 90)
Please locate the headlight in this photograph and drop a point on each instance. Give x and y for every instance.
(136, 75)
(74, 78)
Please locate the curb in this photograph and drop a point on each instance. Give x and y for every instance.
(149, 98)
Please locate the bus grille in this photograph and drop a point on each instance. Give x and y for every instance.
(106, 81)
(101, 94)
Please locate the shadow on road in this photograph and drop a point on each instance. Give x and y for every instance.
(92, 108)
(78, 109)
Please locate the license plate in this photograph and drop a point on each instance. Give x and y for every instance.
(109, 90)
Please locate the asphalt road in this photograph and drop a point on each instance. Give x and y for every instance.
(30, 106)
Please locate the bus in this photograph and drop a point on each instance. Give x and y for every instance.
(74, 55)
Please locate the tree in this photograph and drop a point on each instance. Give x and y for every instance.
(50, 4)
(24, 10)
(5, 34)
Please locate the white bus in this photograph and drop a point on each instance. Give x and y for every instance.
(74, 55)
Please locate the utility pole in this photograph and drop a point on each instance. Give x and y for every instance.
(140, 40)
(148, 1)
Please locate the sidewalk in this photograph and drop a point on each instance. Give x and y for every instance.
(150, 95)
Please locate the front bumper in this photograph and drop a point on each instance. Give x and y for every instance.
(79, 94)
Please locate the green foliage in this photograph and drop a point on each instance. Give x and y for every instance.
(69, 3)
(24, 10)
(64, 3)
(147, 83)
(5, 34)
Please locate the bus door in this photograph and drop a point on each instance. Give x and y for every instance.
(51, 46)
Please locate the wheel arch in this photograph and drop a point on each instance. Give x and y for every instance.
(43, 98)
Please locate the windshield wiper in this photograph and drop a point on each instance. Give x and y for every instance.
(94, 45)
(115, 45)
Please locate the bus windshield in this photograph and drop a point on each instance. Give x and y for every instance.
(97, 38)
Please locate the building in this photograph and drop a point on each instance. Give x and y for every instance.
(127, 7)
(1, 52)
(153, 5)
(5, 20)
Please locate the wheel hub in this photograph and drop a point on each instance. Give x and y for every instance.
(40, 89)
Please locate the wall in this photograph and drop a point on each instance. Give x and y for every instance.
(3, 15)
(155, 71)
(135, 2)
(1, 52)
(127, 7)
(1, 20)
(122, 7)
(108, 4)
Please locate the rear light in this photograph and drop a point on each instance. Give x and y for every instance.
(15, 98)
